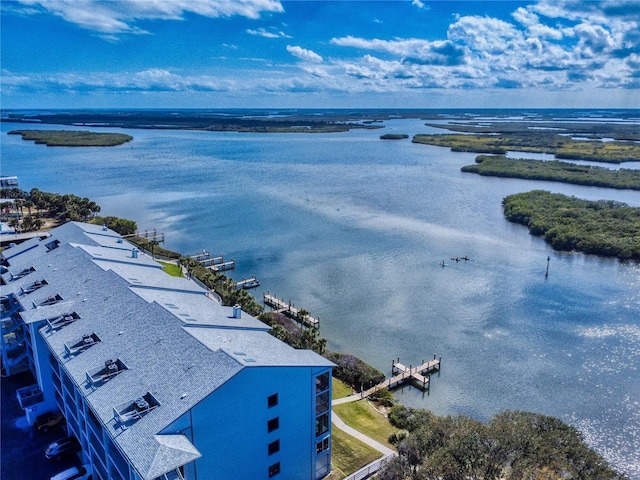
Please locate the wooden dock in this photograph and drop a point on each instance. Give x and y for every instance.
(247, 283)
(215, 264)
(419, 376)
(220, 267)
(287, 308)
(200, 256)
(207, 262)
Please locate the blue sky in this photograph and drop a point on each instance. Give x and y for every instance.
(309, 54)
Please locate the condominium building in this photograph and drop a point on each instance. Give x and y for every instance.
(157, 379)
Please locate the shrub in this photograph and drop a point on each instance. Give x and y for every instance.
(353, 371)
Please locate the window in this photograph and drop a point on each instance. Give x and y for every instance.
(273, 424)
(322, 445)
(322, 403)
(274, 447)
(272, 401)
(322, 382)
(322, 424)
(274, 469)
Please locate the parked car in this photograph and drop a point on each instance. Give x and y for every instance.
(74, 473)
(47, 420)
(62, 447)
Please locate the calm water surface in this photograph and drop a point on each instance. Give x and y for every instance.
(352, 228)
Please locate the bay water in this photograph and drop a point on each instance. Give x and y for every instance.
(353, 229)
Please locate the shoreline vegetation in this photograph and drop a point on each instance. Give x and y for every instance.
(604, 227)
(394, 136)
(597, 129)
(554, 171)
(561, 146)
(250, 121)
(73, 138)
(512, 445)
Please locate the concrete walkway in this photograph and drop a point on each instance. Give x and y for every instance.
(351, 398)
(338, 423)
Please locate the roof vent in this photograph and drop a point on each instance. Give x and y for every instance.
(62, 320)
(237, 311)
(34, 286)
(79, 346)
(97, 376)
(22, 273)
(50, 300)
(135, 409)
(134, 253)
(104, 228)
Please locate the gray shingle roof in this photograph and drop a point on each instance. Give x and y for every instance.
(177, 344)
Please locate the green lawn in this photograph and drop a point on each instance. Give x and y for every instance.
(348, 453)
(363, 416)
(340, 389)
(172, 269)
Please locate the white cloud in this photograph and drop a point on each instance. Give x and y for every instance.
(549, 46)
(304, 54)
(262, 32)
(593, 38)
(525, 17)
(485, 35)
(118, 16)
(411, 50)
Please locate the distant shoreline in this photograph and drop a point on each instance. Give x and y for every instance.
(288, 120)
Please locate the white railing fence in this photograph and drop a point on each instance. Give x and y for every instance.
(368, 470)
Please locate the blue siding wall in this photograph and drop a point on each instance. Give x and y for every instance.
(232, 424)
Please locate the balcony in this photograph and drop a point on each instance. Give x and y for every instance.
(134, 410)
(80, 345)
(10, 325)
(29, 396)
(13, 341)
(9, 306)
(97, 376)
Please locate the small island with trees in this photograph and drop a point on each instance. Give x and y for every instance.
(73, 138)
(554, 171)
(561, 146)
(604, 227)
(394, 136)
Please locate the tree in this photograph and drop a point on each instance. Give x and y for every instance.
(152, 245)
(512, 446)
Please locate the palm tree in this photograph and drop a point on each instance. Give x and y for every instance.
(152, 245)
(29, 205)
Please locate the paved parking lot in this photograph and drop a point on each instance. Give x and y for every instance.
(23, 447)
